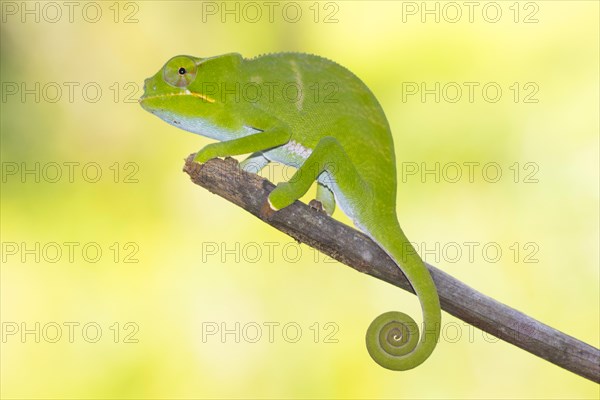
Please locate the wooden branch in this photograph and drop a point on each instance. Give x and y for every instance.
(355, 249)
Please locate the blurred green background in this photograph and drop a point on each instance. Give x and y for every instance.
(179, 266)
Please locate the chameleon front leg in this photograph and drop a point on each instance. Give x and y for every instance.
(244, 145)
(327, 157)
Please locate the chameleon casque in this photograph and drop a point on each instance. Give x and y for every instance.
(315, 115)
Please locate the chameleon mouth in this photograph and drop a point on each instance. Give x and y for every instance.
(185, 93)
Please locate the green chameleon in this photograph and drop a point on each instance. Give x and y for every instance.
(313, 114)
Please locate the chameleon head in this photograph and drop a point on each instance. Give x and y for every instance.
(172, 86)
(186, 90)
(176, 93)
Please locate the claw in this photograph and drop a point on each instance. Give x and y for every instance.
(266, 210)
(317, 205)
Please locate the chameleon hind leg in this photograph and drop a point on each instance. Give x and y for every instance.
(325, 200)
(255, 163)
(328, 157)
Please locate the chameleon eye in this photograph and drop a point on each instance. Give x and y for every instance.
(180, 71)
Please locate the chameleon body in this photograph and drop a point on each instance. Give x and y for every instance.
(315, 115)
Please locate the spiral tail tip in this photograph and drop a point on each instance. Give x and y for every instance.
(391, 339)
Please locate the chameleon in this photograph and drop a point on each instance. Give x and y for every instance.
(310, 113)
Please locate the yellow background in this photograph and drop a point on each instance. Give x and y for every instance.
(171, 295)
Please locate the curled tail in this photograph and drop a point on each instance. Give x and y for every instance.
(393, 338)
